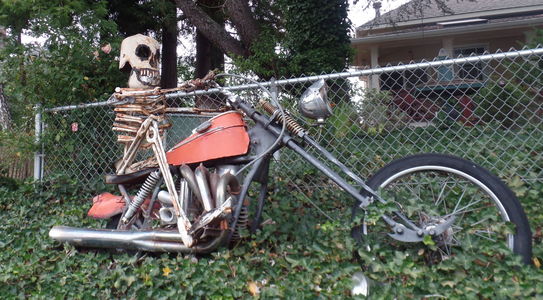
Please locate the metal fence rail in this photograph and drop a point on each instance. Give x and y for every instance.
(487, 108)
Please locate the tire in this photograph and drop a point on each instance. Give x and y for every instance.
(428, 188)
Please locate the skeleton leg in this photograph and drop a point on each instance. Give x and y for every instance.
(128, 157)
(183, 223)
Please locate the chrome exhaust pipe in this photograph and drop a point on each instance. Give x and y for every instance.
(150, 240)
(187, 173)
(227, 180)
(202, 176)
(167, 215)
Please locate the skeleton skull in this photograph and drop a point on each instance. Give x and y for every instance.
(140, 55)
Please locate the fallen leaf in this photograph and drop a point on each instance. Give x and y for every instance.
(254, 290)
(448, 283)
(537, 263)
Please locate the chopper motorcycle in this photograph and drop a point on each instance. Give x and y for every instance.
(196, 199)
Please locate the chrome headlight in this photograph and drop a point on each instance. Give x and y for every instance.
(314, 102)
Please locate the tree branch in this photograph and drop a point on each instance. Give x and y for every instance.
(211, 29)
(241, 16)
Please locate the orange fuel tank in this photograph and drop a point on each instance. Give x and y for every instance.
(224, 135)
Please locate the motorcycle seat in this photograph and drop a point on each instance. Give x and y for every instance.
(130, 178)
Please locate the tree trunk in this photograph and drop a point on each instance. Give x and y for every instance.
(169, 56)
(242, 18)
(208, 57)
(213, 31)
(5, 116)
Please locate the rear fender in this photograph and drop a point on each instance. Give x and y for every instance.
(105, 206)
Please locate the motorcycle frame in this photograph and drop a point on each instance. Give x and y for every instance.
(263, 135)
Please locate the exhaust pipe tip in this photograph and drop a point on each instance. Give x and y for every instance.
(59, 233)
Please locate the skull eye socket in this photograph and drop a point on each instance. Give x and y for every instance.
(143, 52)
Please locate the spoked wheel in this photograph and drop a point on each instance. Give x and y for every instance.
(430, 190)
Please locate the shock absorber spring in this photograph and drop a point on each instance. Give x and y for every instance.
(143, 193)
(291, 124)
(243, 221)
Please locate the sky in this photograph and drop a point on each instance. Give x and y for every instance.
(358, 15)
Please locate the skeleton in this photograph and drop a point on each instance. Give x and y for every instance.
(141, 122)
(140, 55)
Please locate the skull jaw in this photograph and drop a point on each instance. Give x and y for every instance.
(144, 78)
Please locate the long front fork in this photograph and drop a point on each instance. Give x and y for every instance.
(399, 231)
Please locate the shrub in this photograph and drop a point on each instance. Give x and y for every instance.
(502, 102)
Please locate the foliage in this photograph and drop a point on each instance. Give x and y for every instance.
(344, 122)
(317, 35)
(268, 60)
(133, 17)
(377, 112)
(69, 67)
(502, 102)
(15, 145)
(311, 38)
(299, 254)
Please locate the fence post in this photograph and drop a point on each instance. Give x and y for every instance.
(275, 99)
(38, 155)
(273, 89)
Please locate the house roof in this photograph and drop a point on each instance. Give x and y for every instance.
(423, 11)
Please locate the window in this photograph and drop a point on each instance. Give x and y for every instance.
(391, 81)
(414, 78)
(470, 70)
(407, 79)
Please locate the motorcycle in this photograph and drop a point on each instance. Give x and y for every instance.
(196, 200)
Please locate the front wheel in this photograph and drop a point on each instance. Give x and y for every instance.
(427, 190)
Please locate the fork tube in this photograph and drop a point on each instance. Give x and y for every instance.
(329, 172)
(290, 143)
(332, 158)
(260, 205)
(335, 161)
(241, 197)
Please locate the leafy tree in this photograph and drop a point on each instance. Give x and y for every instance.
(278, 38)
(69, 67)
(317, 39)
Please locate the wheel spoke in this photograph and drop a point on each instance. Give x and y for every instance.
(429, 189)
(464, 209)
(459, 200)
(441, 194)
(483, 236)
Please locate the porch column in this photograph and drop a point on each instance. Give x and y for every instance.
(374, 82)
(529, 36)
(447, 44)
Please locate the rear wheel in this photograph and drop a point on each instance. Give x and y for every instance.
(428, 190)
(114, 222)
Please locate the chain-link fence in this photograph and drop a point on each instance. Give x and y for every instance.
(487, 108)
